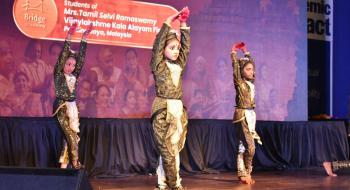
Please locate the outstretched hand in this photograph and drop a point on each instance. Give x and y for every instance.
(239, 46)
(72, 28)
(88, 30)
(184, 14)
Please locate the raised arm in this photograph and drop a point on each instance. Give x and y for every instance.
(236, 68)
(237, 75)
(65, 51)
(185, 36)
(82, 52)
(159, 42)
(235, 65)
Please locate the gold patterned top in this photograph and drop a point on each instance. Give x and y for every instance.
(62, 91)
(165, 87)
(244, 99)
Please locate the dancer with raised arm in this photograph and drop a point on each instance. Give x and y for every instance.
(244, 116)
(169, 119)
(66, 73)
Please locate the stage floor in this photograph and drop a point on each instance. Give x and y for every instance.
(305, 179)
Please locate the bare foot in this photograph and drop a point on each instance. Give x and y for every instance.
(64, 165)
(328, 167)
(77, 165)
(252, 181)
(247, 180)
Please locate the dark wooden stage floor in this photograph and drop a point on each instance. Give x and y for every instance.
(305, 179)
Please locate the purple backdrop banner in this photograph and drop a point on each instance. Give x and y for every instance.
(116, 81)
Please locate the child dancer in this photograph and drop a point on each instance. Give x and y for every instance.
(244, 116)
(66, 73)
(169, 119)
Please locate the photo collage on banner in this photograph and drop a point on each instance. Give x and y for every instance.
(117, 82)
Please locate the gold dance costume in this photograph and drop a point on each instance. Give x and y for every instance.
(64, 107)
(244, 116)
(169, 118)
